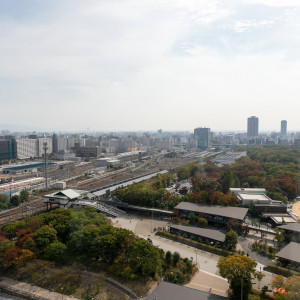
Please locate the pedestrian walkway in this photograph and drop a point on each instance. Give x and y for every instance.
(205, 282)
(23, 289)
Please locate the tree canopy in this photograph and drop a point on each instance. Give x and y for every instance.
(238, 270)
(67, 235)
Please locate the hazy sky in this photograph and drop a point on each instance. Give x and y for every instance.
(145, 65)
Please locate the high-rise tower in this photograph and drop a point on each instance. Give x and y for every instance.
(202, 137)
(283, 130)
(252, 128)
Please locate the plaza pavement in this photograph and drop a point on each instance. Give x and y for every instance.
(208, 278)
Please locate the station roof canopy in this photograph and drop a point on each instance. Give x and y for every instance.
(65, 194)
(204, 232)
(290, 252)
(238, 213)
(166, 290)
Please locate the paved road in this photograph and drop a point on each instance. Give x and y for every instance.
(208, 277)
(245, 243)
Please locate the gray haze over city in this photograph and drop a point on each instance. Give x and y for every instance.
(144, 65)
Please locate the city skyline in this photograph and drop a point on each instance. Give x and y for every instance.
(27, 129)
(131, 65)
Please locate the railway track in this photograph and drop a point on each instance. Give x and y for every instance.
(37, 206)
(22, 211)
(124, 174)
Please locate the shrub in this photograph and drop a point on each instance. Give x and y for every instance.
(281, 271)
(195, 244)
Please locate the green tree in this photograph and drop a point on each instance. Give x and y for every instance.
(238, 270)
(55, 251)
(10, 229)
(226, 180)
(3, 201)
(44, 236)
(86, 240)
(193, 219)
(24, 196)
(30, 244)
(202, 222)
(264, 290)
(108, 247)
(251, 208)
(144, 258)
(231, 240)
(176, 258)
(279, 237)
(168, 258)
(15, 200)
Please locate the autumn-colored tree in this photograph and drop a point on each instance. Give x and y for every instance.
(239, 271)
(292, 287)
(278, 282)
(244, 229)
(34, 224)
(23, 257)
(23, 235)
(5, 245)
(10, 257)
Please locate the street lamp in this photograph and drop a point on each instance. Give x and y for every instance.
(196, 256)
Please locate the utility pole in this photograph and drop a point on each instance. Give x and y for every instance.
(45, 148)
(10, 189)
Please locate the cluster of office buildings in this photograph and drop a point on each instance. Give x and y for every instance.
(253, 126)
(72, 146)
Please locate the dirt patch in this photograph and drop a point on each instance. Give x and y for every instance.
(72, 280)
(296, 208)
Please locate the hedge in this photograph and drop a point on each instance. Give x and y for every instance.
(195, 244)
(281, 271)
(259, 293)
